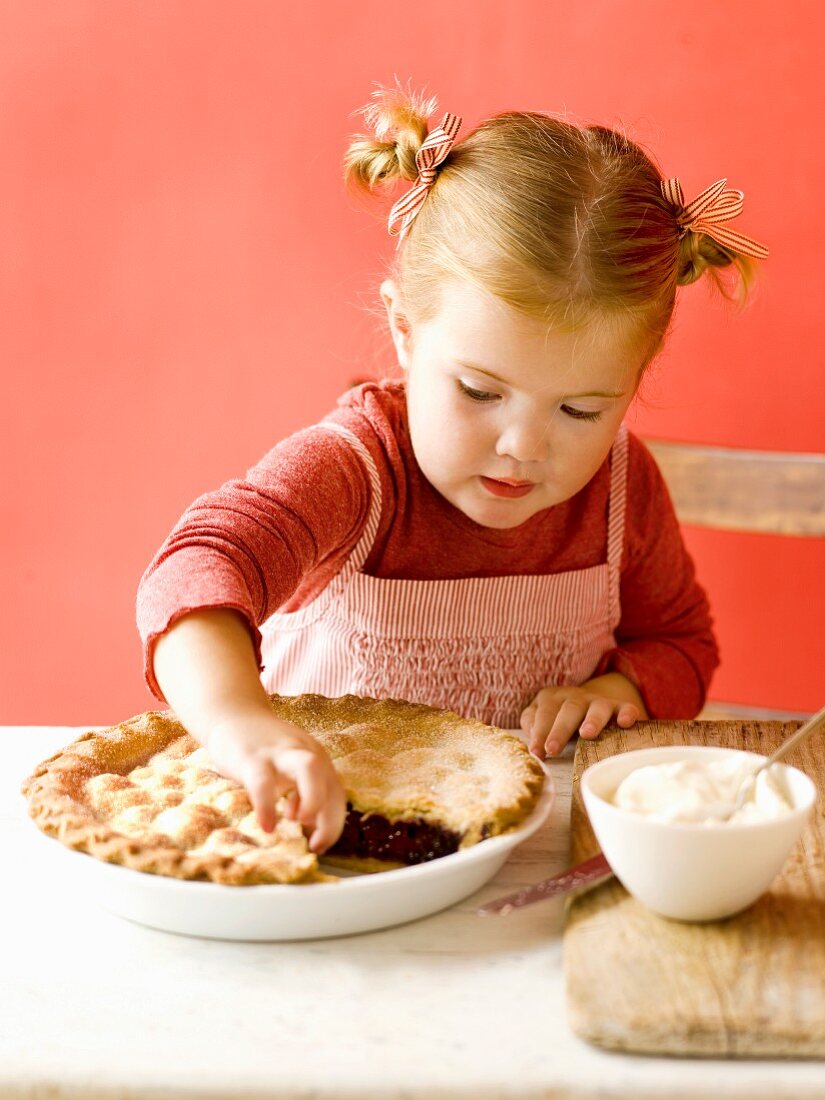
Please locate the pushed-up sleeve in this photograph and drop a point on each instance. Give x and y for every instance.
(250, 543)
(664, 641)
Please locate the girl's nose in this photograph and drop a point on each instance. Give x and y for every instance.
(524, 441)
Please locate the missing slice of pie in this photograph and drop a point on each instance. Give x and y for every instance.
(420, 783)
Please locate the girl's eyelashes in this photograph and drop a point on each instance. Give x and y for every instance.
(476, 395)
(580, 414)
(487, 396)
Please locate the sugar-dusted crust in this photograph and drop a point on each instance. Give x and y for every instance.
(145, 795)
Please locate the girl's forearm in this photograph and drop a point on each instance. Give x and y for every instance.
(205, 665)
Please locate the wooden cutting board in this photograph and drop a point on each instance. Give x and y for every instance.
(750, 986)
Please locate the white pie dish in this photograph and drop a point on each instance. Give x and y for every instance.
(356, 903)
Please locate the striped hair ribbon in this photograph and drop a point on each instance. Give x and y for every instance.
(707, 212)
(434, 149)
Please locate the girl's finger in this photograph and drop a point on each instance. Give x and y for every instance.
(321, 801)
(264, 785)
(598, 715)
(565, 724)
(328, 826)
(527, 717)
(291, 805)
(628, 714)
(547, 710)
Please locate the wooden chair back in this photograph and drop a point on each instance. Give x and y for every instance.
(765, 492)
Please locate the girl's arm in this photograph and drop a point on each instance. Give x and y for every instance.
(237, 554)
(206, 667)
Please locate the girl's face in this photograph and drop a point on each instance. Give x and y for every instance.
(508, 418)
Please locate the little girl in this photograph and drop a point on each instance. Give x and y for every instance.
(484, 536)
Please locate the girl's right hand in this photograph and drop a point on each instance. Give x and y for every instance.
(271, 758)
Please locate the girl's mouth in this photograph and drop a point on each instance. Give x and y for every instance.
(507, 488)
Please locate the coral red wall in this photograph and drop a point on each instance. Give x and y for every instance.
(184, 280)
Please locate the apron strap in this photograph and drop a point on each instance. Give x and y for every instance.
(291, 621)
(362, 548)
(615, 520)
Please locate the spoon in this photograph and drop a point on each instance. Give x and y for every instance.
(723, 811)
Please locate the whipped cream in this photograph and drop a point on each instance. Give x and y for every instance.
(686, 790)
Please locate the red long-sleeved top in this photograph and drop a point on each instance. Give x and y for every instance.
(271, 541)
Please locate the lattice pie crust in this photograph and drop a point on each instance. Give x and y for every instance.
(420, 783)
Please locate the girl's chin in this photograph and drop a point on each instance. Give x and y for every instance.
(498, 513)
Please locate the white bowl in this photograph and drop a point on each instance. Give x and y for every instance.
(691, 872)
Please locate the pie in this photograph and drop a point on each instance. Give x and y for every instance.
(420, 783)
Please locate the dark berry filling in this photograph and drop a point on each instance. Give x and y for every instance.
(374, 837)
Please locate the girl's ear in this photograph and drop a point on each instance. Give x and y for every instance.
(400, 326)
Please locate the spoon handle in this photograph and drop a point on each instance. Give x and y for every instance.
(816, 722)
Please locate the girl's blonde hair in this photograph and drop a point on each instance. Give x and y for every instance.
(565, 223)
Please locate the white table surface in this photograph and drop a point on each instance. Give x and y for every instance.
(93, 1006)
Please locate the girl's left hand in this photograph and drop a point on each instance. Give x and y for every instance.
(558, 712)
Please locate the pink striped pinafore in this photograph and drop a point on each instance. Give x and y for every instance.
(481, 646)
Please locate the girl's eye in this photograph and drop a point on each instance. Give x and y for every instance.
(580, 414)
(476, 395)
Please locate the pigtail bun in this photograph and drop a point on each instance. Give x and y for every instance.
(398, 119)
(700, 254)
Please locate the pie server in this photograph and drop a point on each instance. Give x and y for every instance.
(589, 873)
